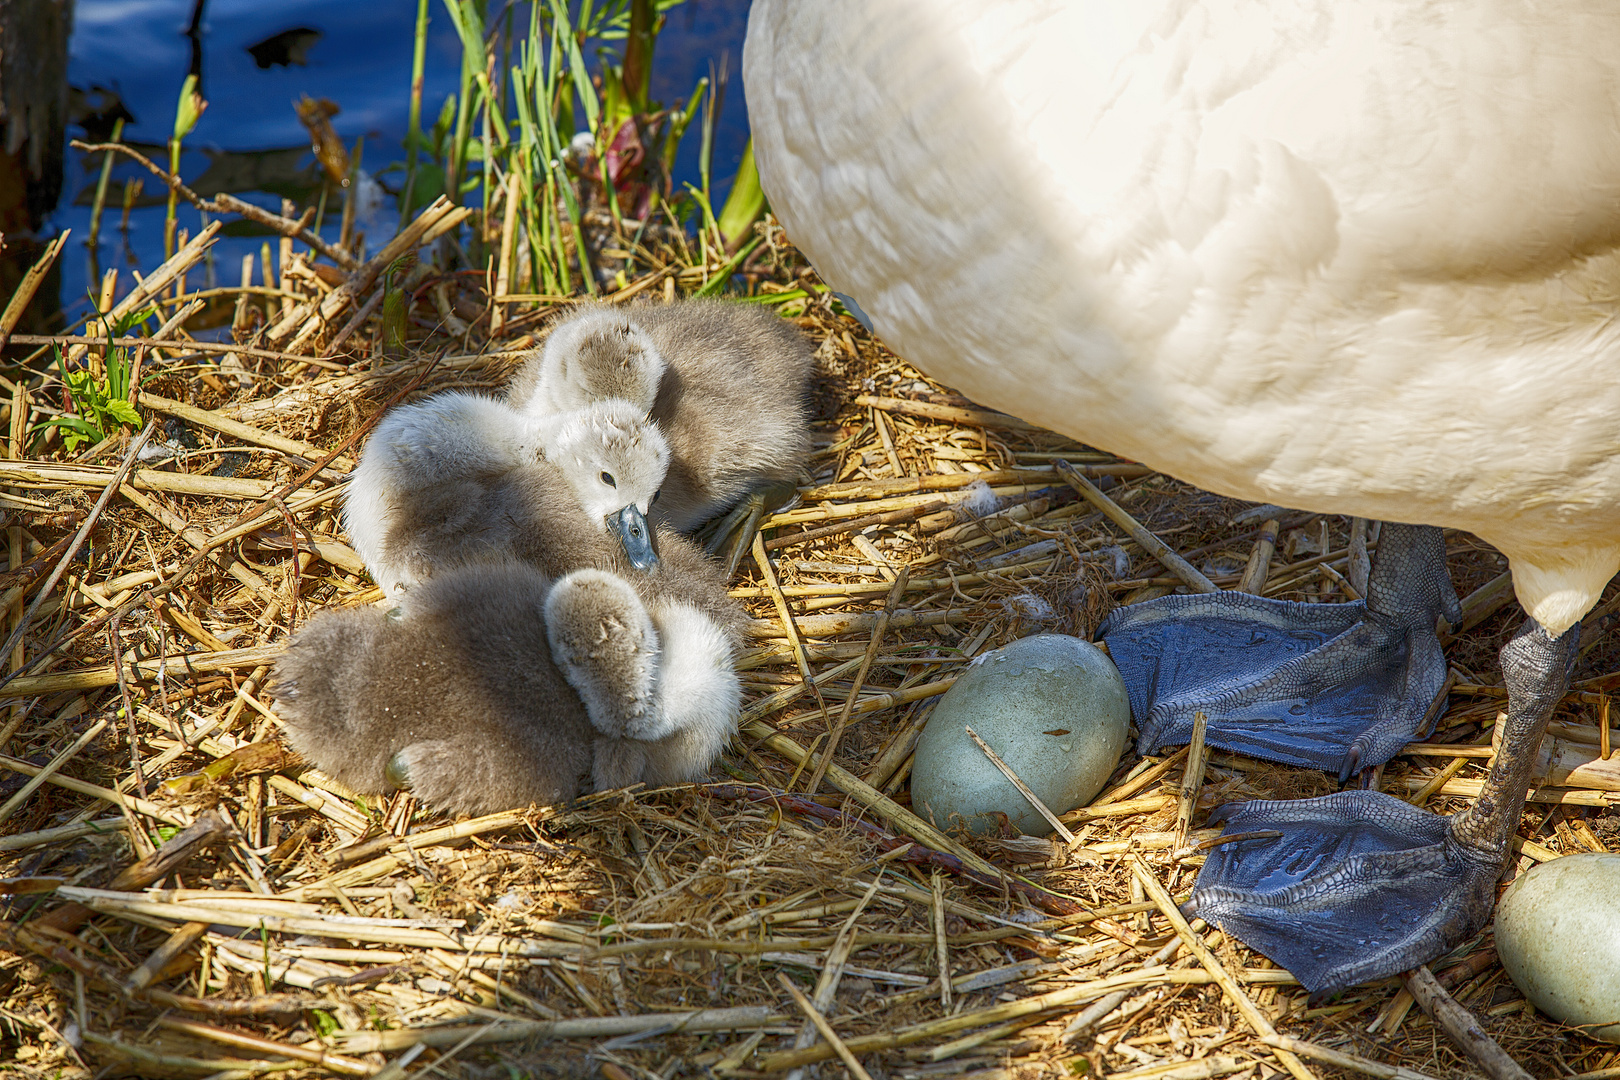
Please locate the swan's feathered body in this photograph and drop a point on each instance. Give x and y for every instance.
(725, 383)
(1356, 258)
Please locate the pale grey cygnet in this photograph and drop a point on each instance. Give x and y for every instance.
(658, 681)
(462, 478)
(457, 694)
(726, 383)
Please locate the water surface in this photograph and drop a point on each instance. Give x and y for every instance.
(362, 61)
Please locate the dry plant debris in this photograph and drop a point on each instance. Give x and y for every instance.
(183, 898)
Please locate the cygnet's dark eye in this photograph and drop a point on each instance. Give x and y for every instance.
(607, 478)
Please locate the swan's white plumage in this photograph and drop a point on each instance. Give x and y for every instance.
(1356, 258)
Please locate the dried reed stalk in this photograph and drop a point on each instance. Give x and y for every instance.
(1461, 1025)
(896, 590)
(1178, 566)
(1195, 945)
(737, 1018)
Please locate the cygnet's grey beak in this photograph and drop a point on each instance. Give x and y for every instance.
(635, 536)
(397, 774)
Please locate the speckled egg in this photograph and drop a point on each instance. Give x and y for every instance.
(1053, 707)
(1558, 934)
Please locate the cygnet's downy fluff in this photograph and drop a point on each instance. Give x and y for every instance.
(456, 693)
(725, 383)
(461, 479)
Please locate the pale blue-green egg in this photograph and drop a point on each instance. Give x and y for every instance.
(1053, 707)
(1558, 935)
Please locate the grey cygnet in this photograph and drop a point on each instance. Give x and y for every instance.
(726, 383)
(466, 693)
(461, 478)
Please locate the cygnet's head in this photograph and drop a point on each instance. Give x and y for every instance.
(615, 460)
(598, 355)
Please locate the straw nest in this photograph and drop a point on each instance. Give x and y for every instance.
(186, 899)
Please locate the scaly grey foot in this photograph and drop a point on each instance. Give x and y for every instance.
(1362, 885)
(1338, 687)
(733, 532)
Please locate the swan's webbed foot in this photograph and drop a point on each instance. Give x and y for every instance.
(731, 535)
(1362, 885)
(1338, 687)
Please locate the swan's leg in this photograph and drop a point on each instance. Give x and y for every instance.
(1362, 885)
(698, 697)
(732, 533)
(1339, 687)
(606, 647)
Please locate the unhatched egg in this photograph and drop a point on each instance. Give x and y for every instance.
(1558, 934)
(1053, 707)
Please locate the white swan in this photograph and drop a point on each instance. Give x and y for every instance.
(1355, 258)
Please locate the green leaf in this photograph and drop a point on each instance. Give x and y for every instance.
(323, 1022)
(680, 118)
(576, 64)
(128, 321)
(190, 108)
(616, 104)
(429, 185)
(117, 376)
(79, 383)
(722, 277)
(442, 126)
(469, 26)
(746, 202)
(74, 427)
(123, 412)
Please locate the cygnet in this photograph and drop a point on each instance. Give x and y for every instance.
(461, 478)
(726, 383)
(489, 687)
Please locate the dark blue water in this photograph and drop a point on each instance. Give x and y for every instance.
(362, 61)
